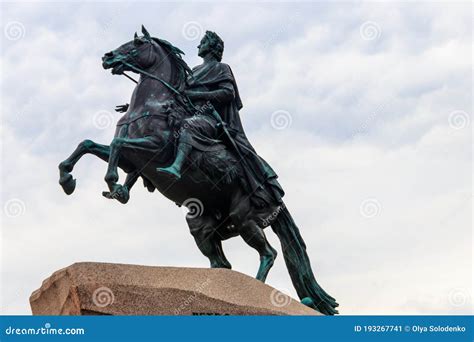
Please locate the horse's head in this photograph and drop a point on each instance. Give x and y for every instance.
(149, 54)
(138, 53)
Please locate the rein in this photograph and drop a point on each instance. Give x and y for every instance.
(186, 102)
(130, 78)
(166, 84)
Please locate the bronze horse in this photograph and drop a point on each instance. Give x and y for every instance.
(145, 140)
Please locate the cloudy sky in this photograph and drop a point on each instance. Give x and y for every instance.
(364, 110)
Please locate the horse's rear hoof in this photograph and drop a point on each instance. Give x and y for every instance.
(68, 184)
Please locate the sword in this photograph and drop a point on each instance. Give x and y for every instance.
(230, 139)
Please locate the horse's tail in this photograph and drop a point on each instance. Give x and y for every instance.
(299, 267)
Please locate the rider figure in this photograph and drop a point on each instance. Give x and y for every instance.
(213, 82)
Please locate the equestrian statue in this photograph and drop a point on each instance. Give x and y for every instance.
(182, 135)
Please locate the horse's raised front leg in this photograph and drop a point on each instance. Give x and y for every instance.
(67, 182)
(116, 148)
(122, 193)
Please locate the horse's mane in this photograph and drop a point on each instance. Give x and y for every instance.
(175, 55)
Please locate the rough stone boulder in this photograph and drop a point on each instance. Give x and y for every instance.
(114, 289)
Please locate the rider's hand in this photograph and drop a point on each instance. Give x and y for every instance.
(173, 118)
(122, 108)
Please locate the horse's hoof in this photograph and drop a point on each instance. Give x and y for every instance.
(68, 184)
(120, 194)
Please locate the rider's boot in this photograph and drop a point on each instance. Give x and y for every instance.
(175, 168)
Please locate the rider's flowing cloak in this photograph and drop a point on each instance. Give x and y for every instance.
(260, 181)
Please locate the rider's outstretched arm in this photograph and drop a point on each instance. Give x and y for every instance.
(225, 93)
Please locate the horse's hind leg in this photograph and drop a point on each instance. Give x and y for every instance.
(66, 180)
(212, 248)
(255, 237)
(208, 242)
(222, 260)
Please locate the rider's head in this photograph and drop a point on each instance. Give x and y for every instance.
(211, 43)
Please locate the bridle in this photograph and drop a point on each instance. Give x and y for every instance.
(143, 72)
(182, 98)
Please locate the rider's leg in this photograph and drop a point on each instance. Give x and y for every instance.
(184, 149)
(195, 126)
